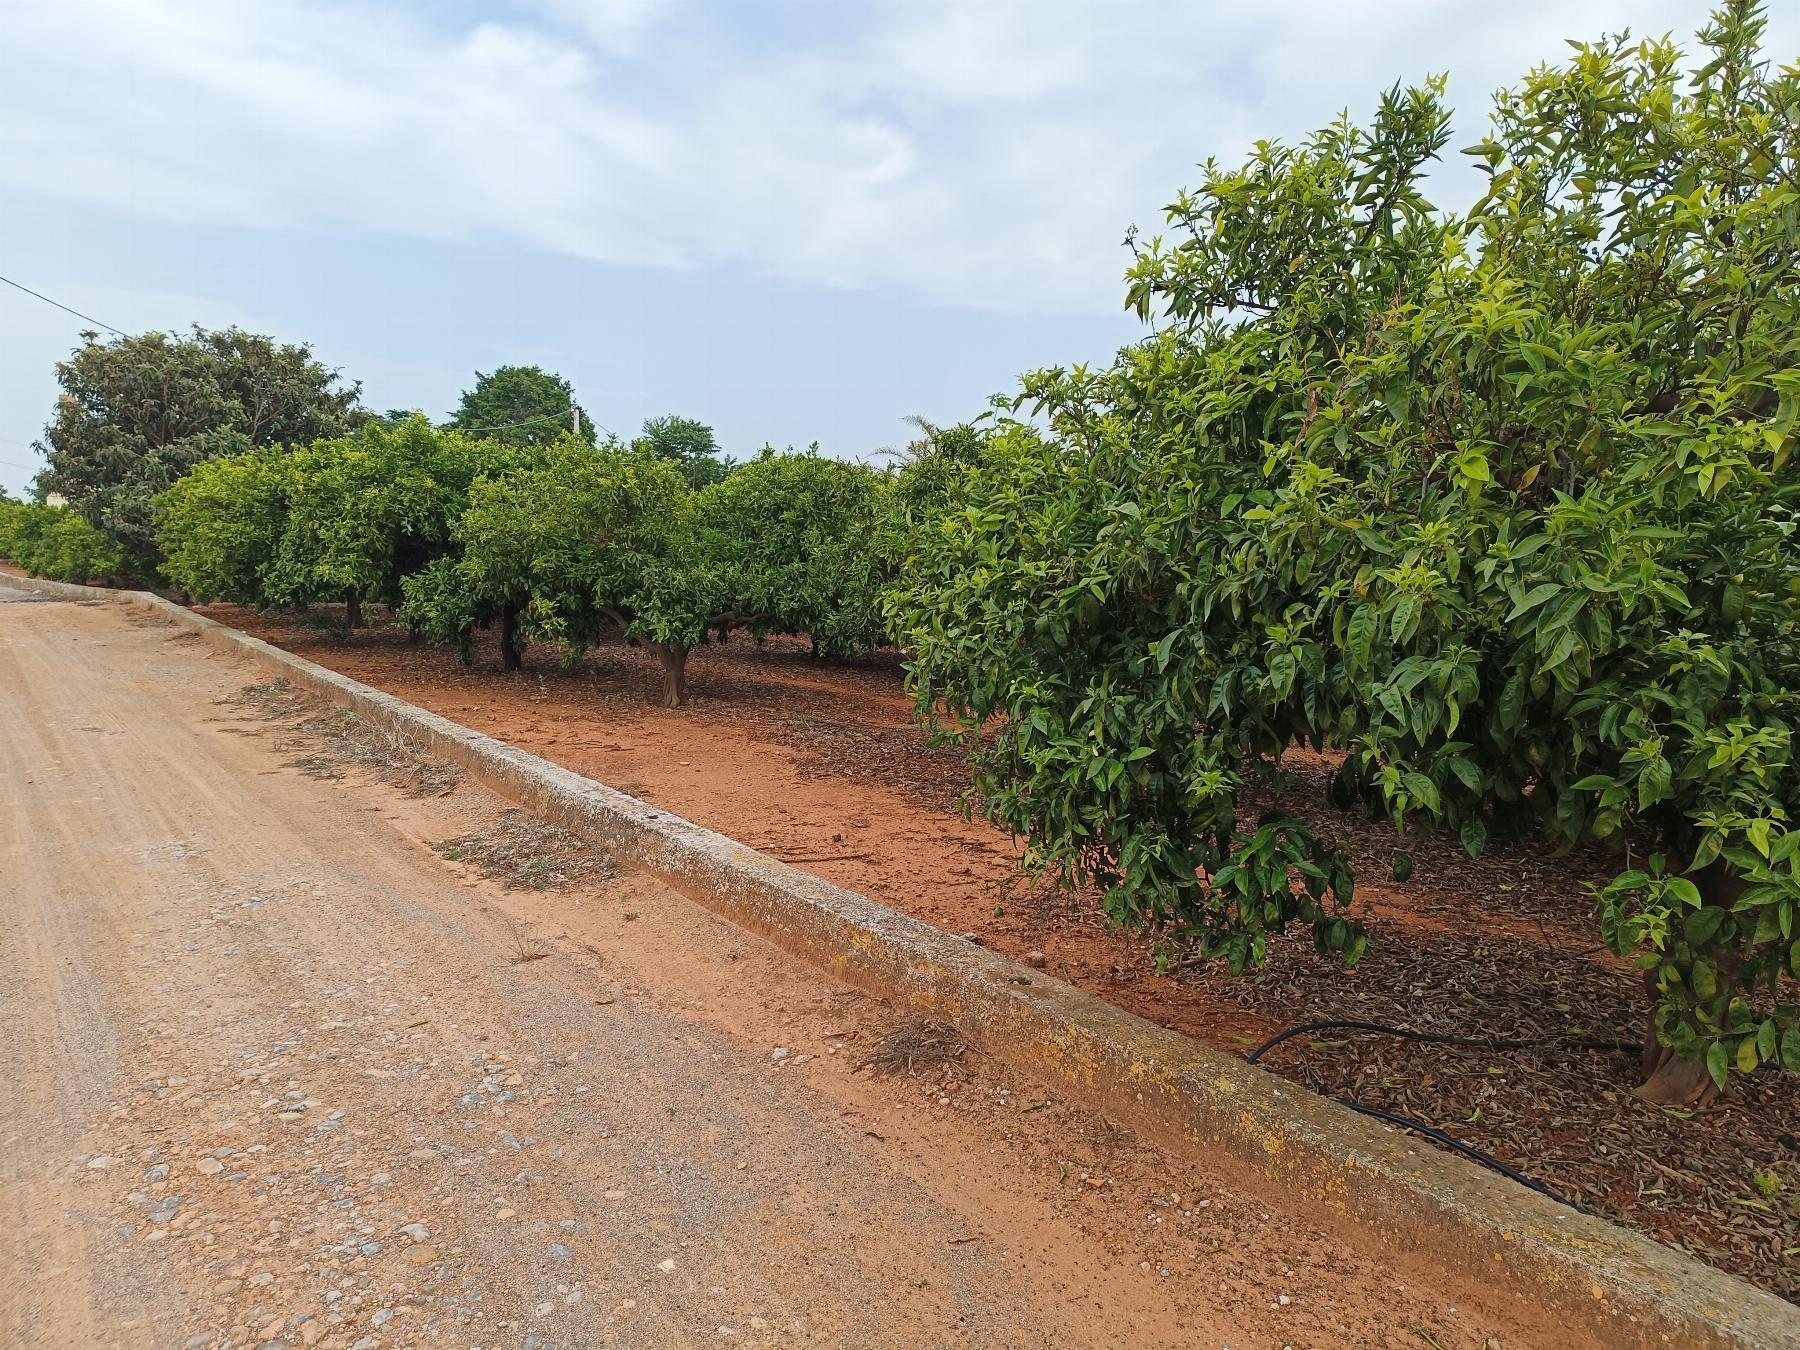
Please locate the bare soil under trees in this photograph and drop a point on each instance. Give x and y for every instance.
(823, 766)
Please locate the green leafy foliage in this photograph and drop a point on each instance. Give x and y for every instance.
(55, 542)
(373, 507)
(348, 518)
(561, 548)
(788, 542)
(137, 413)
(521, 406)
(689, 445)
(1501, 505)
(220, 527)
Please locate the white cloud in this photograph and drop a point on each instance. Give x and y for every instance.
(985, 152)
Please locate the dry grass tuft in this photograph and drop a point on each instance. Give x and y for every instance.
(333, 740)
(527, 946)
(524, 853)
(915, 1045)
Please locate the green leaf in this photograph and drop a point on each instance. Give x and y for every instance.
(1164, 649)
(1422, 790)
(1746, 1054)
(1683, 890)
(1365, 623)
(1716, 1063)
(1474, 836)
(1536, 596)
(1703, 924)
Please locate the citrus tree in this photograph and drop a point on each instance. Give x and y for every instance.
(55, 542)
(220, 528)
(561, 549)
(348, 518)
(789, 543)
(1500, 505)
(368, 509)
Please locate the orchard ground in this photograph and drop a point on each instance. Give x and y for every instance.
(822, 766)
(285, 1067)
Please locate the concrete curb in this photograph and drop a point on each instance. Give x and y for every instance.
(1366, 1179)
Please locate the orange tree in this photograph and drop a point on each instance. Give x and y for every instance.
(348, 518)
(369, 509)
(561, 548)
(787, 543)
(1501, 505)
(790, 542)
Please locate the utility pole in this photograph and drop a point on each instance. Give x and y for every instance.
(575, 418)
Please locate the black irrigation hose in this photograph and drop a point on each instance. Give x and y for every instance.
(1478, 1042)
(1431, 1131)
(1450, 1141)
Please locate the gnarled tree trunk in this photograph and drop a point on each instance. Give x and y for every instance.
(674, 657)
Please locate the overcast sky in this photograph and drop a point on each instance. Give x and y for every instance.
(796, 221)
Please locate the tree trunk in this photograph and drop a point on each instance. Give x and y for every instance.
(815, 647)
(674, 673)
(352, 610)
(414, 634)
(1670, 1080)
(512, 646)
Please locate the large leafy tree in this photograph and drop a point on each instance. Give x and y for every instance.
(521, 405)
(689, 444)
(1500, 505)
(561, 549)
(137, 413)
(371, 508)
(790, 542)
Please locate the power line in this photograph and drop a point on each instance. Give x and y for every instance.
(89, 318)
(542, 417)
(60, 305)
(529, 421)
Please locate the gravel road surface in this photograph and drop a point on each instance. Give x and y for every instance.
(275, 1075)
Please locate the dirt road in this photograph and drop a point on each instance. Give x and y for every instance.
(274, 1076)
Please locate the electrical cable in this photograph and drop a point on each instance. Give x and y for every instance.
(543, 417)
(89, 318)
(508, 426)
(1432, 1132)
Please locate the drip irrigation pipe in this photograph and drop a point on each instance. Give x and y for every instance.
(1477, 1042)
(1431, 1132)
